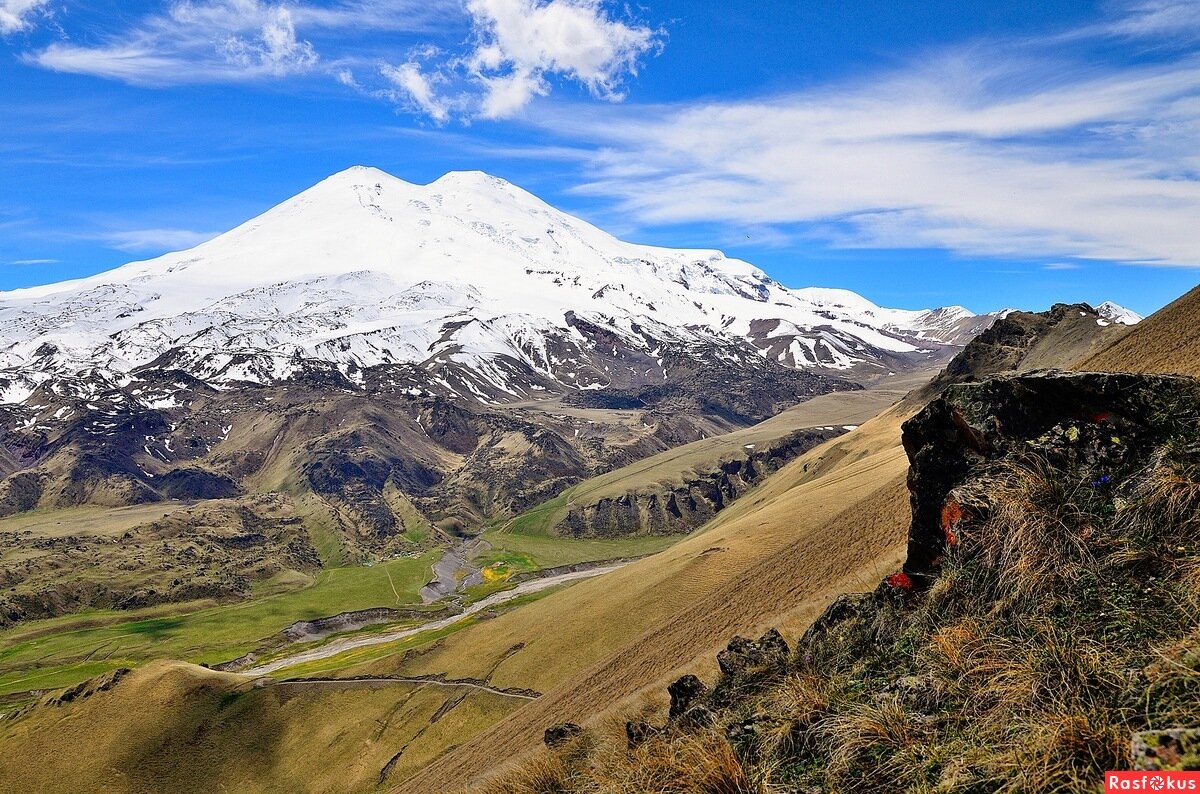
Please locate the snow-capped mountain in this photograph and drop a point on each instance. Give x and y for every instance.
(1116, 313)
(475, 286)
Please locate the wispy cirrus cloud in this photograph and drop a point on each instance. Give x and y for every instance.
(1157, 18)
(223, 40)
(198, 41)
(1023, 150)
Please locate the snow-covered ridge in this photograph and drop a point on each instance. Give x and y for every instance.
(1116, 313)
(477, 282)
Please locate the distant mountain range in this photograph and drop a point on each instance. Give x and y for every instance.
(468, 287)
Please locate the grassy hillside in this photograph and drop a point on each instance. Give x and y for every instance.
(648, 611)
(180, 728)
(1062, 619)
(59, 652)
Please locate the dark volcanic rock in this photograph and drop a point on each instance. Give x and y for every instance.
(742, 389)
(743, 655)
(557, 735)
(196, 483)
(684, 693)
(1090, 423)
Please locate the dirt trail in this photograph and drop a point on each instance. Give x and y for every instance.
(350, 643)
(422, 680)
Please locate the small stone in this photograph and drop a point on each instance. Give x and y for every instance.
(562, 733)
(741, 730)
(684, 693)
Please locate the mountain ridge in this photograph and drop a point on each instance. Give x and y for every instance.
(486, 291)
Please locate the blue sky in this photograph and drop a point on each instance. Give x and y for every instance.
(921, 153)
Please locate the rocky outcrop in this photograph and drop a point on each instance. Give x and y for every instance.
(663, 510)
(1026, 341)
(1093, 425)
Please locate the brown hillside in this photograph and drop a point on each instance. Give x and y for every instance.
(1166, 342)
(831, 521)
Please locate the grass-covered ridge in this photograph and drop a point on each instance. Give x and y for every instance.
(1063, 617)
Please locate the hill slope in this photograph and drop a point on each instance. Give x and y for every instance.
(1021, 649)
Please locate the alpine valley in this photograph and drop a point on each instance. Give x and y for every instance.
(350, 454)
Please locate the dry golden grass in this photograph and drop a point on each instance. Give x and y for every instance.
(699, 763)
(589, 647)
(1024, 669)
(180, 728)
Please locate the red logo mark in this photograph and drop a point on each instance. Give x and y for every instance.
(1151, 781)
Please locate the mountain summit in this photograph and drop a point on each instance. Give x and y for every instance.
(484, 290)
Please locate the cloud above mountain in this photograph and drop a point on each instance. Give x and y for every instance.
(999, 148)
(511, 49)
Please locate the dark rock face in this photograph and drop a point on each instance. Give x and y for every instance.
(684, 693)
(743, 655)
(1007, 343)
(558, 735)
(195, 483)
(1089, 423)
(663, 511)
(1002, 346)
(742, 390)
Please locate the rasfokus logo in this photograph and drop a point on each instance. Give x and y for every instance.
(1151, 781)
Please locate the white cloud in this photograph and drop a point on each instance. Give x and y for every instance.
(520, 47)
(415, 87)
(517, 48)
(15, 14)
(230, 40)
(1154, 18)
(522, 41)
(155, 240)
(972, 152)
(507, 94)
(272, 46)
